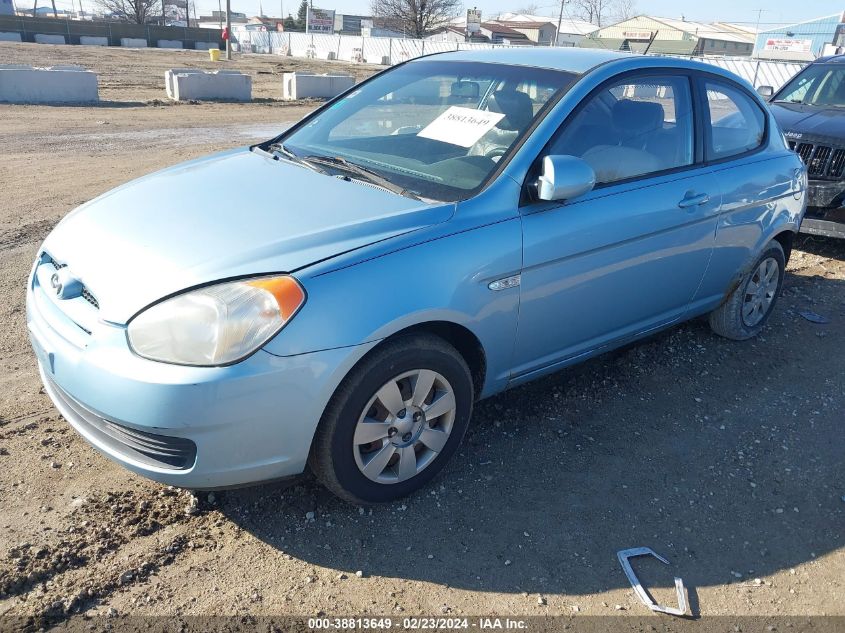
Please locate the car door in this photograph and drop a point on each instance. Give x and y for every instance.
(627, 257)
(759, 187)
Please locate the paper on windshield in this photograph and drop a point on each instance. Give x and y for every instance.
(461, 126)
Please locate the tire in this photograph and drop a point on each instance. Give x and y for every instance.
(342, 456)
(732, 319)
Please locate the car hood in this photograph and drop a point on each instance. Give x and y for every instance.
(228, 215)
(809, 120)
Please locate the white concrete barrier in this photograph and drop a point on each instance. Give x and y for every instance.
(133, 42)
(89, 40)
(169, 44)
(190, 83)
(5, 36)
(45, 38)
(57, 84)
(204, 46)
(301, 85)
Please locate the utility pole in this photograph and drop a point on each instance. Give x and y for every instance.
(756, 34)
(229, 29)
(559, 23)
(163, 14)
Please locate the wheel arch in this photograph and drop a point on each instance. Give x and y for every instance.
(458, 336)
(786, 239)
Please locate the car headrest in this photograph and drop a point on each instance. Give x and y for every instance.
(637, 117)
(515, 105)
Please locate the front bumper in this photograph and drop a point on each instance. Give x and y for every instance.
(825, 209)
(193, 427)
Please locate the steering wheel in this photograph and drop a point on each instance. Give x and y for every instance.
(495, 153)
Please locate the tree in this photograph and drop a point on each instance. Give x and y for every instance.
(291, 24)
(417, 18)
(599, 12)
(625, 10)
(137, 11)
(302, 15)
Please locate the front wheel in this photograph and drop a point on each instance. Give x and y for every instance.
(748, 307)
(395, 421)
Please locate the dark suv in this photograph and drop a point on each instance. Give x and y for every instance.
(811, 112)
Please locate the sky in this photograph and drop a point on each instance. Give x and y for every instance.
(775, 12)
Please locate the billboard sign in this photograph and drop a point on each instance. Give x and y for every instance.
(320, 21)
(788, 45)
(473, 20)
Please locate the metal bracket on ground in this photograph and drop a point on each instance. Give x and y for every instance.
(642, 594)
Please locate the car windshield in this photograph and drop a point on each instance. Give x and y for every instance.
(818, 85)
(434, 129)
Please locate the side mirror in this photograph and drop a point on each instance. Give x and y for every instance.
(765, 91)
(564, 178)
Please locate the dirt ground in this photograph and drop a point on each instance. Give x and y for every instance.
(727, 458)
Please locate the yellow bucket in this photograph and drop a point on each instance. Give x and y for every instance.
(214, 54)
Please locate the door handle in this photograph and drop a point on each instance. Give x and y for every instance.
(693, 200)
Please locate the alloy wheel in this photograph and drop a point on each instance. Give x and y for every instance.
(760, 292)
(404, 426)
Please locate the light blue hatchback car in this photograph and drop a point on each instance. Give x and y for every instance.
(340, 295)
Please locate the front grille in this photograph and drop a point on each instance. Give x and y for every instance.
(805, 150)
(837, 164)
(86, 294)
(818, 162)
(90, 298)
(162, 451)
(823, 161)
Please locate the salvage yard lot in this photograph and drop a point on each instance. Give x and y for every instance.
(726, 458)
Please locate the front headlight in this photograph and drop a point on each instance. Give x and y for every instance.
(218, 324)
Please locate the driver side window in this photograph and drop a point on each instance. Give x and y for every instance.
(637, 126)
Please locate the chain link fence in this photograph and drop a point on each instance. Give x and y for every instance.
(74, 30)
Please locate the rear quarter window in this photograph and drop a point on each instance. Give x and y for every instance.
(735, 122)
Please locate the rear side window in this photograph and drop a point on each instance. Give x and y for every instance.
(638, 126)
(737, 123)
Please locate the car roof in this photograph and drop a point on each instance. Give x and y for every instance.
(575, 60)
(836, 59)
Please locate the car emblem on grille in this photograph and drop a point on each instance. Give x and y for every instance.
(65, 285)
(791, 134)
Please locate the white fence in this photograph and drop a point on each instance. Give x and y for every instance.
(350, 48)
(388, 51)
(756, 72)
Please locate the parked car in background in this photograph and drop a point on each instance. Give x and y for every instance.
(810, 109)
(454, 226)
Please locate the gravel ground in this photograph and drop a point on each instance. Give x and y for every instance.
(727, 458)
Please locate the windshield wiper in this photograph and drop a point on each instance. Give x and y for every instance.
(362, 172)
(289, 155)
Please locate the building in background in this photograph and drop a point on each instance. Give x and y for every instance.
(671, 36)
(452, 33)
(7, 7)
(571, 33)
(217, 20)
(488, 32)
(803, 41)
(540, 31)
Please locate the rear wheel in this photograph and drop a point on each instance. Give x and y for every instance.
(749, 306)
(395, 421)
